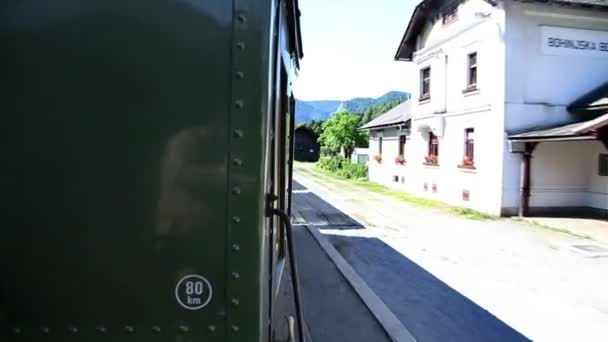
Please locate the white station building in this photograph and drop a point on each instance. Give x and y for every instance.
(511, 113)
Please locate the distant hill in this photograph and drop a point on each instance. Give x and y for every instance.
(314, 110)
(321, 110)
(361, 104)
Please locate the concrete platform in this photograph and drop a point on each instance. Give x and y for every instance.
(332, 308)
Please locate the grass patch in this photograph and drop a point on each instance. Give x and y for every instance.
(418, 201)
(367, 185)
(535, 224)
(326, 176)
(471, 214)
(342, 168)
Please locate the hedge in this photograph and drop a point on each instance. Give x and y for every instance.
(343, 168)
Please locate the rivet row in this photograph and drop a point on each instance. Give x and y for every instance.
(238, 133)
(101, 329)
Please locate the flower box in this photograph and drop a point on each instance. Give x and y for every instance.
(467, 163)
(432, 160)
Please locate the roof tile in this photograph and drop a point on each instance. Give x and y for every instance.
(399, 114)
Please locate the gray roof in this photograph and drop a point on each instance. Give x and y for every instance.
(598, 97)
(574, 131)
(564, 131)
(398, 115)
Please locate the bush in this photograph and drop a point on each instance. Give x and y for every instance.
(353, 171)
(332, 164)
(343, 168)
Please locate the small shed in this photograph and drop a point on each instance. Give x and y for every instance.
(360, 156)
(306, 146)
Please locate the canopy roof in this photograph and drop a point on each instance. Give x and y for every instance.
(585, 130)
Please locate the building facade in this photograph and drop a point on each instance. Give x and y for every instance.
(491, 72)
(388, 136)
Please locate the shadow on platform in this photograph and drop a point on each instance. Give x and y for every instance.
(311, 210)
(429, 308)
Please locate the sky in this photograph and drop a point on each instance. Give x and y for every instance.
(349, 46)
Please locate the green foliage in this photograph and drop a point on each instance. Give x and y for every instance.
(343, 168)
(471, 214)
(362, 104)
(331, 164)
(321, 110)
(315, 125)
(375, 111)
(340, 134)
(353, 171)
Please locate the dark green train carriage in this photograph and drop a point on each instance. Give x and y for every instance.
(144, 145)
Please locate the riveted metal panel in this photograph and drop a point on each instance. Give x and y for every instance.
(117, 117)
(247, 281)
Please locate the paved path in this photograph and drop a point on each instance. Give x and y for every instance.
(449, 278)
(333, 311)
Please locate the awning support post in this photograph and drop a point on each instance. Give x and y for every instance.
(524, 203)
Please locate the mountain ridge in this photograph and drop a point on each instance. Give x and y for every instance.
(321, 109)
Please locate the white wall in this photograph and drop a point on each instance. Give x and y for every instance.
(539, 87)
(564, 174)
(483, 110)
(469, 33)
(559, 174)
(384, 172)
(519, 88)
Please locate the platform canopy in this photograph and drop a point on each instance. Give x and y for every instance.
(586, 130)
(591, 113)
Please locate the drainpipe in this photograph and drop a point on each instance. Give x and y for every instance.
(526, 158)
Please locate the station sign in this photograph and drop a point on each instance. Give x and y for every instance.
(563, 41)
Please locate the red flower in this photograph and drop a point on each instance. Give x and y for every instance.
(431, 159)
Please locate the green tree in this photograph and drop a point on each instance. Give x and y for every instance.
(340, 134)
(375, 111)
(315, 125)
